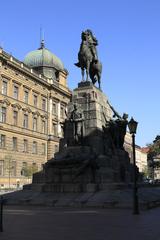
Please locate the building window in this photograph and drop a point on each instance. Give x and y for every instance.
(54, 109)
(2, 141)
(35, 100)
(44, 104)
(15, 118)
(34, 168)
(13, 169)
(56, 148)
(1, 167)
(26, 95)
(14, 142)
(34, 124)
(24, 171)
(62, 112)
(25, 121)
(25, 145)
(3, 112)
(43, 148)
(43, 126)
(34, 148)
(15, 91)
(4, 87)
(54, 129)
(42, 166)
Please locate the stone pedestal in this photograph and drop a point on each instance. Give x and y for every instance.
(92, 102)
(88, 163)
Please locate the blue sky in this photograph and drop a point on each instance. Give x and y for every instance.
(128, 33)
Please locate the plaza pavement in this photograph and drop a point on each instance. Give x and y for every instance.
(49, 223)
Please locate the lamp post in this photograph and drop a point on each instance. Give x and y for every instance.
(132, 125)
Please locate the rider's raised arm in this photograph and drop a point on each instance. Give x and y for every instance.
(114, 111)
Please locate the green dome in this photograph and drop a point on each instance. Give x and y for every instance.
(42, 57)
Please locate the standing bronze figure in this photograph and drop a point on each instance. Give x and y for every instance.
(78, 124)
(118, 127)
(88, 58)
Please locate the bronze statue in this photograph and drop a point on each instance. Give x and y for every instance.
(77, 119)
(88, 57)
(73, 127)
(122, 128)
(118, 128)
(92, 43)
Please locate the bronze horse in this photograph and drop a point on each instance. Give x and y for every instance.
(88, 59)
(95, 71)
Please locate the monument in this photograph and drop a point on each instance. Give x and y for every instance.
(91, 155)
(92, 168)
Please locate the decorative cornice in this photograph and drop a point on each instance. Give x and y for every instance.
(44, 116)
(5, 101)
(16, 82)
(5, 76)
(16, 105)
(36, 113)
(27, 109)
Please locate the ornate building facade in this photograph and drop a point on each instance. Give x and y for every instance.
(33, 99)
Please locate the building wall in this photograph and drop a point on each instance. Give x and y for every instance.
(32, 109)
(157, 168)
(141, 156)
(141, 160)
(157, 173)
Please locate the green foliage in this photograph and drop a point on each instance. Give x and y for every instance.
(145, 172)
(8, 163)
(156, 164)
(157, 139)
(154, 151)
(154, 148)
(28, 171)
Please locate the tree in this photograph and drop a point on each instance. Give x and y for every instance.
(145, 172)
(8, 166)
(29, 170)
(154, 150)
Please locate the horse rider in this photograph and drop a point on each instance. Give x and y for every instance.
(92, 43)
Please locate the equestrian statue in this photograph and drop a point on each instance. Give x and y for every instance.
(88, 58)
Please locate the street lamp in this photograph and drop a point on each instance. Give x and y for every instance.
(132, 125)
